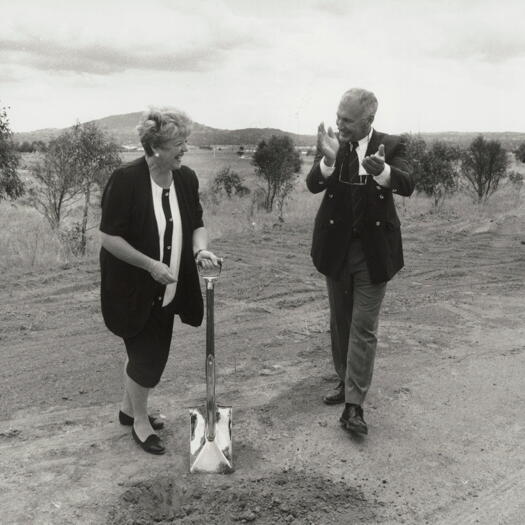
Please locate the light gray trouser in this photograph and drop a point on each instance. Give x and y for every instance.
(355, 303)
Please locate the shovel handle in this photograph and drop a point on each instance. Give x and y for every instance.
(211, 407)
(210, 275)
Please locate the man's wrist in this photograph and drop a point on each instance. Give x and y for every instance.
(196, 252)
(384, 178)
(326, 170)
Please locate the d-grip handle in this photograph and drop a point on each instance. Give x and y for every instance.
(210, 274)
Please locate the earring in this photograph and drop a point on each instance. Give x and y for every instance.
(155, 154)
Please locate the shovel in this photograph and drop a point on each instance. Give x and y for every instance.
(210, 425)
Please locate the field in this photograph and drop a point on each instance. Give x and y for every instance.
(445, 410)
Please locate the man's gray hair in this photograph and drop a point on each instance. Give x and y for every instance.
(366, 99)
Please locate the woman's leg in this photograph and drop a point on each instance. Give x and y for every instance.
(147, 356)
(127, 407)
(138, 396)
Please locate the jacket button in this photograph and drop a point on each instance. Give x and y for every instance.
(381, 196)
(378, 223)
(159, 298)
(330, 195)
(168, 247)
(378, 187)
(331, 221)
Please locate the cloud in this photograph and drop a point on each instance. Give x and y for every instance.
(242, 63)
(102, 59)
(486, 47)
(483, 31)
(158, 37)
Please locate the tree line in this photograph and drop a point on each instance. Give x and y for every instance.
(74, 166)
(441, 168)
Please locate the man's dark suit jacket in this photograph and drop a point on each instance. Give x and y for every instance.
(380, 233)
(127, 292)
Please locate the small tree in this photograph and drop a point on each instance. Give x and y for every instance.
(276, 162)
(95, 157)
(57, 179)
(78, 160)
(284, 193)
(520, 152)
(11, 186)
(440, 171)
(25, 147)
(416, 148)
(484, 164)
(228, 181)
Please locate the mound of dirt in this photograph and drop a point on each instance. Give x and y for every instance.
(287, 497)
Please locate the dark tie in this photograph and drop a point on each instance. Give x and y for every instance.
(353, 163)
(357, 192)
(350, 165)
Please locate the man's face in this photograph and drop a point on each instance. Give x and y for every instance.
(352, 122)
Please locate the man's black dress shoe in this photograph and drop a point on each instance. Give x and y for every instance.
(337, 396)
(352, 419)
(153, 443)
(128, 420)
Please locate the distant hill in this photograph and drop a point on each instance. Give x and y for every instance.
(122, 129)
(509, 139)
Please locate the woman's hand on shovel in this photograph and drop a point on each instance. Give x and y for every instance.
(207, 260)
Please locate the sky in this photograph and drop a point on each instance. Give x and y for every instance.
(434, 65)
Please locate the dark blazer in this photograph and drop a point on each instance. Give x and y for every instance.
(381, 234)
(127, 292)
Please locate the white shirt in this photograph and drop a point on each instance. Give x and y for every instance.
(176, 238)
(383, 179)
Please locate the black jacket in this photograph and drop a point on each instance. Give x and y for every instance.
(380, 234)
(127, 292)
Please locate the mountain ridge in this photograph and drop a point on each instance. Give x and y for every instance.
(122, 129)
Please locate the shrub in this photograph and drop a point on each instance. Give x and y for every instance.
(229, 182)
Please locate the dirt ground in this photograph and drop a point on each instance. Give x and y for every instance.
(445, 412)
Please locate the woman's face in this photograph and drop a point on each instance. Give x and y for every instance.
(170, 153)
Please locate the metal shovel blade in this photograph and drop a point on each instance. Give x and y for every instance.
(211, 455)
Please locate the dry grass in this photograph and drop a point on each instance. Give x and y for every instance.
(28, 242)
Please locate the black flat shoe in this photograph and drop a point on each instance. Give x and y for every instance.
(153, 443)
(337, 396)
(124, 419)
(352, 419)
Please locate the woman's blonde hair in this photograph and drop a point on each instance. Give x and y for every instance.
(160, 125)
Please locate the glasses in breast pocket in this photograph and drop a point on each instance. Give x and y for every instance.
(358, 179)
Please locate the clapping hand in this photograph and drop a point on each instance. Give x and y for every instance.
(327, 143)
(375, 164)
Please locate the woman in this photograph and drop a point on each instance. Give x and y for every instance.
(153, 237)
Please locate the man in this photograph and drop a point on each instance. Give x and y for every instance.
(357, 239)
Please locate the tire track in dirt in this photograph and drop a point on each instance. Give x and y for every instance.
(502, 503)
